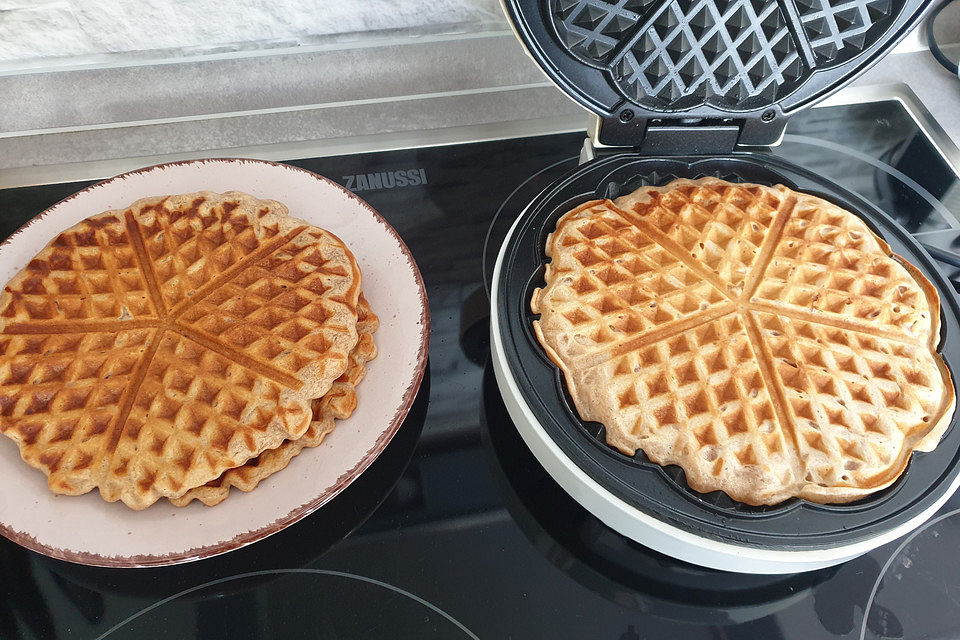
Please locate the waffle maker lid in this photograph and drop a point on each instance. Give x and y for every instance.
(732, 70)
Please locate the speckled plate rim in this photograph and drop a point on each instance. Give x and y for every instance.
(414, 377)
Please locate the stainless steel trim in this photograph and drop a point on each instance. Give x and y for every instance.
(337, 104)
(94, 170)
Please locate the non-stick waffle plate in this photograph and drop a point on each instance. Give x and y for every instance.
(707, 58)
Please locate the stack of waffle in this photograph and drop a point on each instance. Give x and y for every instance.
(764, 340)
(180, 347)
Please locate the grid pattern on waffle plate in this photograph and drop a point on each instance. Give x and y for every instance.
(593, 30)
(735, 54)
(694, 53)
(848, 369)
(839, 29)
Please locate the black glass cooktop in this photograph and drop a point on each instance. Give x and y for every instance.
(456, 531)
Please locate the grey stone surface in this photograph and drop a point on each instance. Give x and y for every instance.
(286, 126)
(86, 97)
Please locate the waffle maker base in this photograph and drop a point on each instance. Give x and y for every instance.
(651, 504)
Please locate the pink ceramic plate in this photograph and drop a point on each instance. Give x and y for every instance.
(86, 529)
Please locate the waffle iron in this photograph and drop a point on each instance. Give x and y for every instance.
(685, 89)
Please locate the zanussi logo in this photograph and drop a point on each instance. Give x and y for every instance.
(385, 180)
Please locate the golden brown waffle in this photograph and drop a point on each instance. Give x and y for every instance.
(764, 340)
(339, 403)
(147, 350)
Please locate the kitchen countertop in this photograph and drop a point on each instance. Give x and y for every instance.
(381, 93)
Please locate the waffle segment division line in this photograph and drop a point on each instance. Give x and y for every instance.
(846, 324)
(794, 24)
(771, 381)
(643, 25)
(130, 393)
(143, 261)
(665, 332)
(237, 356)
(56, 327)
(770, 243)
(234, 269)
(671, 247)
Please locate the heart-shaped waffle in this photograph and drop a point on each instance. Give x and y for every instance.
(144, 351)
(338, 404)
(766, 341)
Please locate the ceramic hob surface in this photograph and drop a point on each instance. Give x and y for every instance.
(456, 531)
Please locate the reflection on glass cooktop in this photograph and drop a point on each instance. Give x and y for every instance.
(456, 531)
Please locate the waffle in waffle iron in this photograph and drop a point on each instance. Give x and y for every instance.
(764, 340)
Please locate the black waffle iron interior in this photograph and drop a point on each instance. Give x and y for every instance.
(679, 89)
(741, 65)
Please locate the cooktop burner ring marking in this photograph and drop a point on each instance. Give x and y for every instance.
(896, 552)
(267, 572)
(918, 188)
